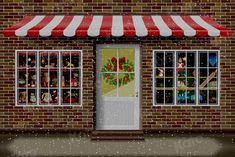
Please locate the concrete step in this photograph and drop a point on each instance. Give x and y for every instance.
(117, 135)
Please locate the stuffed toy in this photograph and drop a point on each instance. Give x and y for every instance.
(161, 72)
(46, 97)
(45, 79)
(32, 98)
(23, 96)
(33, 81)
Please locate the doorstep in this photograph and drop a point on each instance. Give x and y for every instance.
(117, 135)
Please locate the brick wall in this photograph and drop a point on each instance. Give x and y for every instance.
(81, 118)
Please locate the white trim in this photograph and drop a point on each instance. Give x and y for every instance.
(37, 72)
(197, 101)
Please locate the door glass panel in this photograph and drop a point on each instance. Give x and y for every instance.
(109, 60)
(126, 59)
(109, 84)
(126, 84)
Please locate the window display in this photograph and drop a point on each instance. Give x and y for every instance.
(49, 78)
(186, 77)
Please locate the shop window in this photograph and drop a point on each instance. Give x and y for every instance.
(48, 78)
(186, 77)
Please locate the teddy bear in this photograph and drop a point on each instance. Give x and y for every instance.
(23, 96)
(45, 79)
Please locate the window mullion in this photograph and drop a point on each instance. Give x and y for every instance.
(59, 77)
(38, 72)
(175, 78)
(197, 78)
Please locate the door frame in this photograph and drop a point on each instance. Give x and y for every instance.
(138, 124)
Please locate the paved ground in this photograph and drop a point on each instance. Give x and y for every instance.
(67, 145)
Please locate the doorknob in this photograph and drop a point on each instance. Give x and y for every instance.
(136, 94)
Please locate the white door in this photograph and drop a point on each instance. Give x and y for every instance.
(117, 87)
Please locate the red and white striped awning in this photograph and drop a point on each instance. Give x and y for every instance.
(117, 26)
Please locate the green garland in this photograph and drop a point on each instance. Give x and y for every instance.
(111, 66)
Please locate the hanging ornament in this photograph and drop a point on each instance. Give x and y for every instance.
(180, 65)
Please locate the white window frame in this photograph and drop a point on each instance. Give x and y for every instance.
(60, 104)
(197, 78)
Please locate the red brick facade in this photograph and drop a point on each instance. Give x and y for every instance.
(82, 118)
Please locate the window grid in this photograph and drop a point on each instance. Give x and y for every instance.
(196, 88)
(38, 71)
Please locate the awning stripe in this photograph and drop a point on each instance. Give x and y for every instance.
(162, 26)
(200, 31)
(223, 30)
(22, 31)
(70, 30)
(117, 26)
(188, 31)
(46, 31)
(84, 25)
(212, 31)
(128, 26)
(176, 30)
(58, 30)
(151, 27)
(106, 26)
(34, 31)
(94, 29)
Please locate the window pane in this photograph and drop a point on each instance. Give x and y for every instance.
(191, 82)
(126, 85)
(54, 96)
(44, 78)
(22, 78)
(22, 59)
(53, 60)
(126, 59)
(160, 82)
(169, 82)
(32, 79)
(32, 60)
(22, 96)
(66, 62)
(169, 72)
(108, 60)
(160, 96)
(159, 72)
(74, 82)
(44, 59)
(169, 97)
(213, 59)
(181, 83)
(191, 59)
(66, 96)
(65, 80)
(159, 59)
(213, 83)
(75, 59)
(191, 72)
(202, 59)
(53, 78)
(181, 96)
(181, 60)
(109, 84)
(203, 96)
(32, 96)
(212, 96)
(191, 96)
(169, 60)
(45, 96)
(75, 96)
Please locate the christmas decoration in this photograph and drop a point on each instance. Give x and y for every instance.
(111, 66)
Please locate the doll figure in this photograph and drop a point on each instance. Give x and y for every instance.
(180, 65)
(74, 80)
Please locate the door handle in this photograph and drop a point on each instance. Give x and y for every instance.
(136, 94)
